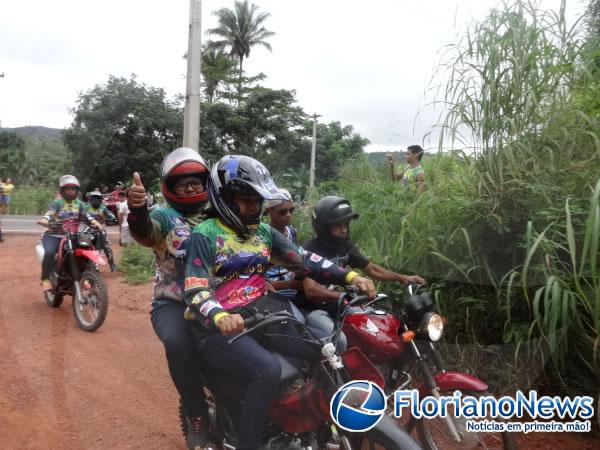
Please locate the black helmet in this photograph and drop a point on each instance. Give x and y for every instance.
(328, 211)
(183, 162)
(95, 199)
(234, 174)
(67, 181)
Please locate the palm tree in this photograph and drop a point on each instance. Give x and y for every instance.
(217, 69)
(240, 30)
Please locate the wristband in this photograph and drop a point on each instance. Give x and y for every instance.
(217, 316)
(350, 276)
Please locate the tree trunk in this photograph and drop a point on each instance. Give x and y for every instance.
(240, 80)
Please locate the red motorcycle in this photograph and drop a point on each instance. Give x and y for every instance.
(76, 274)
(299, 418)
(402, 345)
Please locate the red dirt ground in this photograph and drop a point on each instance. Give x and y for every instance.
(64, 388)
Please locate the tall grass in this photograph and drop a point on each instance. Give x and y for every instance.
(506, 231)
(31, 200)
(137, 262)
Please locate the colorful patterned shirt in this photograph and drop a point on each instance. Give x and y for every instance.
(61, 210)
(166, 231)
(224, 271)
(100, 213)
(409, 178)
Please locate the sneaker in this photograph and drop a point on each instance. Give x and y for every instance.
(113, 267)
(197, 438)
(46, 285)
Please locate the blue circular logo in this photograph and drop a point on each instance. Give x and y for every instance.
(358, 406)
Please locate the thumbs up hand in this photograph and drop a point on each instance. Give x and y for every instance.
(137, 192)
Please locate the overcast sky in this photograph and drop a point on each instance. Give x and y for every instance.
(364, 63)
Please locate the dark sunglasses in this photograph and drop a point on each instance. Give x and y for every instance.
(283, 212)
(183, 184)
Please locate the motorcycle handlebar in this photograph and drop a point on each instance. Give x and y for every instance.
(260, 320)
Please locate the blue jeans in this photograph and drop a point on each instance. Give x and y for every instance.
(248, 360)
(50, 244)
(175, 334)
(322, 321)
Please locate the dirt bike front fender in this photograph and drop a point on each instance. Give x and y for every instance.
(447, 381)
(92, 255)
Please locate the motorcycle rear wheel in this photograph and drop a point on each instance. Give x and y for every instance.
(434, 433)
(91, 311)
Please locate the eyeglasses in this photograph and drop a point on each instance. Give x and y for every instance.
(182, 185)
(283, 212)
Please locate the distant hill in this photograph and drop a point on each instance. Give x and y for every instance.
(35, 131)
(381, 157)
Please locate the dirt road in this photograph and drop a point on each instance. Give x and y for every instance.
(64, 388)
(61, 387)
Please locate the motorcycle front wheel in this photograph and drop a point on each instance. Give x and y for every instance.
(387, 434)
(53, 299)
(435, 435)
(91, 309)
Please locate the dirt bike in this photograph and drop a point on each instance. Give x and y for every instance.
(401, 343)
(76, 274)
(299, 417)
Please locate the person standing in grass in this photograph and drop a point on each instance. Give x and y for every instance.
(413, 175)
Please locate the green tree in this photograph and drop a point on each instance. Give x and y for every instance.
(336, 144)
(271, 127)
(267, 126)
(12, 155)
(46, 159)
(122, 126)
(217, 71)
(239, 30)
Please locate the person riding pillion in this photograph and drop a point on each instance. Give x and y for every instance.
(99, 211)
(225, 274)
(166, 230)
(67, 206)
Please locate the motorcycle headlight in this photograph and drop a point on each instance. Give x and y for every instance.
(85, 239)
(432, 326)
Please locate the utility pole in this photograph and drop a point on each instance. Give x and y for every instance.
(1, 76)
(191, 114)
(313, 153)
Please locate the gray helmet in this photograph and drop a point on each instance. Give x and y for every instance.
(234, 174)
(183, 162)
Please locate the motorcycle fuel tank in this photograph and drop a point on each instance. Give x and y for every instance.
(376, 333)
